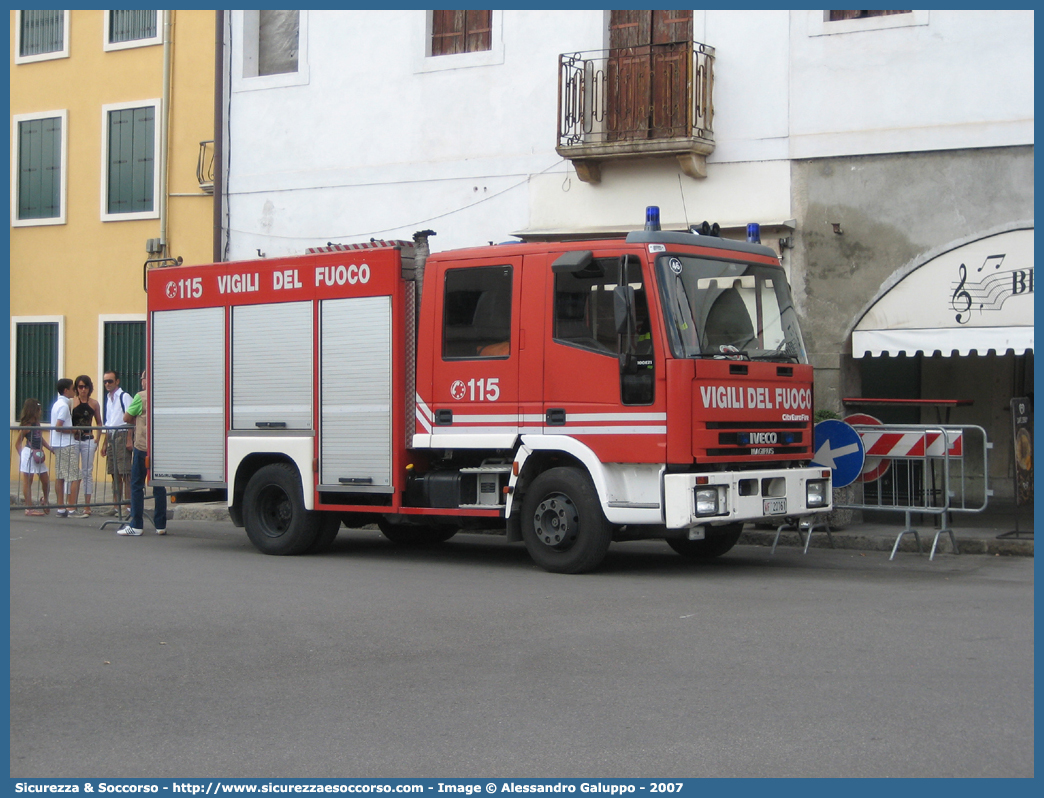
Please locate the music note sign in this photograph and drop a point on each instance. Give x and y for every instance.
(991, 290)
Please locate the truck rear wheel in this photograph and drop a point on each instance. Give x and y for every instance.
(563, 526)
(718, 540)
(415, 534)
(274, 514)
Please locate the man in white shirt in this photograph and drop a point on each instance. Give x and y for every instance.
(115, 447)
(66, 456)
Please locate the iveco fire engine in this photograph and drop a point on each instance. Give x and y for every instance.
(570, 393)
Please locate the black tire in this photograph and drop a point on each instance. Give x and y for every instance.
(329, 526)
(563, 526)
(416, 534)
(718, 540)
(274, 514)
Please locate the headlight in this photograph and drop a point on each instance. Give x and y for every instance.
(816, 493)
(706, 501)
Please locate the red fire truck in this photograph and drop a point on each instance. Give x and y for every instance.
(570, 393)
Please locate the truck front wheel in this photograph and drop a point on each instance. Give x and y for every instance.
(563, 526)
(274, 514)
(718, 540)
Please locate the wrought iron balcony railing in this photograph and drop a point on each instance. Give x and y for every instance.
(648, 101)
(205, 166)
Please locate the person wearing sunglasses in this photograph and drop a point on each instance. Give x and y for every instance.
(116, 445)
(86, 412)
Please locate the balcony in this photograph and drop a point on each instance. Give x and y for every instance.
(205, 166)
(650, 101)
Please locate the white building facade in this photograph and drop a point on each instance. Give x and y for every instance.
(881, 153)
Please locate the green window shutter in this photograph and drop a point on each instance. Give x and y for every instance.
(128, 26)
(36, 365)
(124, 351)
(42, 32)
(131, 160)
(39, 168)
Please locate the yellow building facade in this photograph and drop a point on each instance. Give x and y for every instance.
(112, 122)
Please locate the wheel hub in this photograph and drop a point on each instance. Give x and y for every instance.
(276, 512)
(556, 521)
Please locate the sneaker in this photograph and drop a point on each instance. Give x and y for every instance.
(61, 513)
(107, 511)
(129, 530)
(84, 514)
(161, 531)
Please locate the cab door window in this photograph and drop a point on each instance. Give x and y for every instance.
(585, 317)
(476, 317)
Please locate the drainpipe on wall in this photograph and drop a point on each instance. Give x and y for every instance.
(164, 121)
(219, 123)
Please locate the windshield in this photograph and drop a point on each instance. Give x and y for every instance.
(719, 309)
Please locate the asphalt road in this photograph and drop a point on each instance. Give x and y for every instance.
(192, 655)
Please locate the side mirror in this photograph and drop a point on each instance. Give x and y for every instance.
(623, 309)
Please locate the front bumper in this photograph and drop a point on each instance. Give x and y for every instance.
(726, 497)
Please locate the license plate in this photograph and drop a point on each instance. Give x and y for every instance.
(775, 506)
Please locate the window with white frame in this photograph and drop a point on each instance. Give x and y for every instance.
(130, 148)
(36, 357)
(38, 174)
(41, 36)
(447, 40)
(124, 28)
(826, 23)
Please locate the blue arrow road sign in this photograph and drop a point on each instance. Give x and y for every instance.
(839, 448)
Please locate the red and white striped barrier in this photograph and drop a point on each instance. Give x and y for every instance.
(913, 444)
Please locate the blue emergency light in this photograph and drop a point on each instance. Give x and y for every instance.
(652, 217)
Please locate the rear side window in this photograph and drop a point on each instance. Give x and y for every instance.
(476, 314)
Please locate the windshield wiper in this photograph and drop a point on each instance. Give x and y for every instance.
(780, 353)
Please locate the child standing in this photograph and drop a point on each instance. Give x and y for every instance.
(31, 445)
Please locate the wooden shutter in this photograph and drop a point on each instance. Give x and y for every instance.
(36, 365)
(132, 146)
(124, 352)
(836, 16)
(648, 73)
(127, 26)
(39, 168)
(460, 31)
(42, 32)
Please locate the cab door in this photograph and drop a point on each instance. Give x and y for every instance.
(608, 402)
(475, 374)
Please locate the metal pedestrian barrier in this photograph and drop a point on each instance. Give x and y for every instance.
(934, 470)
(92, 480)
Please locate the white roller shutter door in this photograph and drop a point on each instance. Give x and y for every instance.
(355, 397)
(188, 395)
(272, 366)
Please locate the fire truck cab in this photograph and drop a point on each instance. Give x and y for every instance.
(569, 393)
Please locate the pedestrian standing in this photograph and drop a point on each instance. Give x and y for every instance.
(65, 454)
(31, 457)
(138, 414)
(117, 444)
(86, 412)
